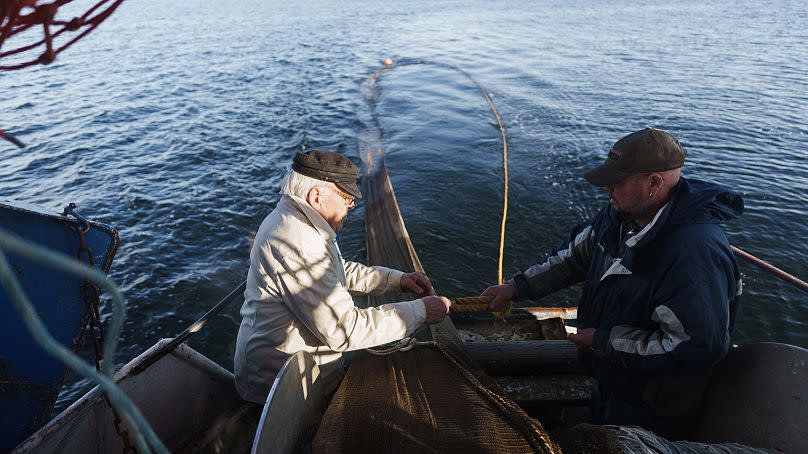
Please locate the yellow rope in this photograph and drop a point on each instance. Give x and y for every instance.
(462, 304)
(388, 63)
(477, 304)
(505, 171)
(470, 308)
(480, 303)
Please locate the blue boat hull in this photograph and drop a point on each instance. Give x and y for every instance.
(30, 378)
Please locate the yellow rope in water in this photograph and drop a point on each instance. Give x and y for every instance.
(465, 304)
(480, 304)
(505, 171)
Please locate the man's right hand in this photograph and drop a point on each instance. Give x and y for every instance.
(436, 308)
(501, 295)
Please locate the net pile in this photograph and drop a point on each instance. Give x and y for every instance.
(426, 400)
(591, 439)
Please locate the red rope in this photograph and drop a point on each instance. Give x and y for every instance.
(20, 16)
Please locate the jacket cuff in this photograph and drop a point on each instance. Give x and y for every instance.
(600, 342)
(394, 280)
(416, 314)
(519, 282)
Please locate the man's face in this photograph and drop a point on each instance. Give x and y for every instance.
(630, 196)
(334, 206)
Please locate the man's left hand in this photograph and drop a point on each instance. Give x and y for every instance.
(416, 283)
(584, 339)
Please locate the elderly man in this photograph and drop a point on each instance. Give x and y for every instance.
(661, 285)
(299, 288)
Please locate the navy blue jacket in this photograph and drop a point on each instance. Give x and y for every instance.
(663, 299)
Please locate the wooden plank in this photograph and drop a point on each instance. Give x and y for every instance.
(565, 313)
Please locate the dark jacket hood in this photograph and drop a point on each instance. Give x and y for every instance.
(697, 201)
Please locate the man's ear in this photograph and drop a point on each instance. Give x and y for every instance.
(655, 181)
(313, 196)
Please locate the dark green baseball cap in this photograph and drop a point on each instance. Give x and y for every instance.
(647, 150)
(329, 166)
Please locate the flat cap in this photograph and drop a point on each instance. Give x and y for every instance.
(328, 166)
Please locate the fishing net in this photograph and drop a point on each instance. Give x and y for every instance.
(426, 400)
(41, 31)
(591, 439)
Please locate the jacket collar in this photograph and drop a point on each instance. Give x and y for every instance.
(623, 259)
(314, 218)
(633, 240)
(623, 264)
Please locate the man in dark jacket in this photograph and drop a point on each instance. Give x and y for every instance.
(661, 285)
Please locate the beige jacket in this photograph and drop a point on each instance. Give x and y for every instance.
(298, 297)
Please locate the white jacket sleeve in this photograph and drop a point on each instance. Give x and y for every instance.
(371, 280)
(314, 293)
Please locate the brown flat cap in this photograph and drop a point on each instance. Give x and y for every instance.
(328, 166)
(647, 150)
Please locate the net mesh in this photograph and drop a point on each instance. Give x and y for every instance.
(591, 439)
(426, 400)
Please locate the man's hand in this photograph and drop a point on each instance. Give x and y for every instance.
(436, 308)
(583, 340)
(501, 295)
(416, 283)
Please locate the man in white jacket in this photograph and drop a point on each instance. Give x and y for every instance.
(299, 287)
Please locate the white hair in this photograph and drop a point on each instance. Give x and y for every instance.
(299, 185)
